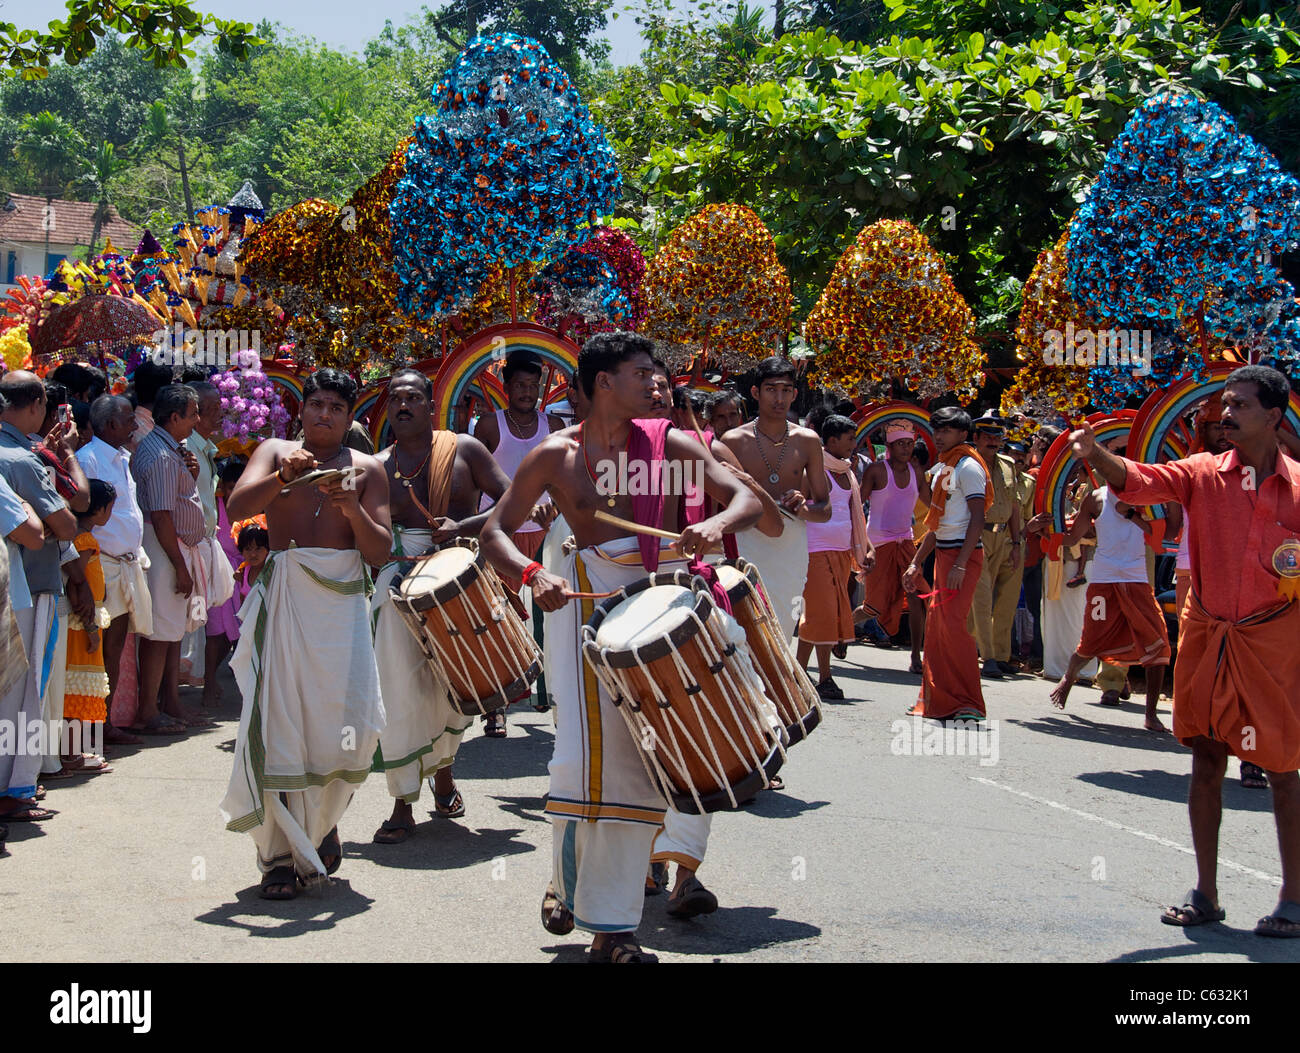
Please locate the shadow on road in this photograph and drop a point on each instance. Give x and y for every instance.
(1073, 726)
(1154, 783)
(731, 930)
(779, 804)
(515, 757)
(441, 844)
(1217, 938)
(311, 911)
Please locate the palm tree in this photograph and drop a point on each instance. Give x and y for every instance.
(104, 165)
(50, 148)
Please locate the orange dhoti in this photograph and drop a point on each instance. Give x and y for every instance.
(950, 685)
(885, 599)
(1123, 624)
(827, 612)
(1239, 684)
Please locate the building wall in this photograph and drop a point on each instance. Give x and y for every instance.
(29, 258)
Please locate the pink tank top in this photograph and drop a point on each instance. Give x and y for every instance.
(890, 517)
(836, 534)
(510, 453)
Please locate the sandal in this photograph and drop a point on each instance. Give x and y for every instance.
(695, 899)
(1253, 777)
(496, 724)
(27, 813)
(331, 847)
(556, 917)
(1196, 910)
(776, 783)
(1076, 581)
(840, 651)
(454, 806)
(160, 725)
(394, 831)
(279, 883)
(624, 951)
(1283, 923)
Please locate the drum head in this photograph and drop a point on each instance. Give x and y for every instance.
(647, 616)
(437, 571)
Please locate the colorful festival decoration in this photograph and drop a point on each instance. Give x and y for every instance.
(871, 417)
(461, 369)
(15, 350)
(595, 287)
(1178, 236)
(508, 168)
(1040, 390)
(251, 406)
(891, 312)
(717, 285)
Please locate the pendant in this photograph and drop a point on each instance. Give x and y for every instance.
(611, 502)
(774, 478)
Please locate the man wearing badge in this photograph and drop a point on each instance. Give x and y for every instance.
(1237, 676)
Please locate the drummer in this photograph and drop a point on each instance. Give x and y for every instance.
(603, 806)
(435, 480)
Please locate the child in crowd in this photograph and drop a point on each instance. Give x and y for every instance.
(86, 683)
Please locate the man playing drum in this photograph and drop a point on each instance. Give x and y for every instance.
(603, 805)
(306, 663)
(435, 479)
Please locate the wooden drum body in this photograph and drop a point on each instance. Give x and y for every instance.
(680, 674)
(455, 606)
(786, 683)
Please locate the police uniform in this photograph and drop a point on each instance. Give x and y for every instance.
(998, 592)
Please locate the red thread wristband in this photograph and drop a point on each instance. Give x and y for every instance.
(530, 572)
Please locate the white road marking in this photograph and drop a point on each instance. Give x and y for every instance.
(1228, 863)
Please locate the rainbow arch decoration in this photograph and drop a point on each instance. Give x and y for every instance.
(1058, 464)
(372, 404)
(461, 369)
(874, 414)
(1161, 428)
(288, 380)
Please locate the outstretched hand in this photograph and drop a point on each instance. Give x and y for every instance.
(1083, 441)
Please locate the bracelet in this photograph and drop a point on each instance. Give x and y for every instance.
(279, 475)
(530, 572)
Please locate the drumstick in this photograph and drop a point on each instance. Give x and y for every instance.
(636, 528)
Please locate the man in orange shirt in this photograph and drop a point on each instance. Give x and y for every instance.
(1237, 677)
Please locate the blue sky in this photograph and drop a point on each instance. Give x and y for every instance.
(346, 26)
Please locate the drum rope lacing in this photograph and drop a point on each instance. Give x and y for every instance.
(714, 652)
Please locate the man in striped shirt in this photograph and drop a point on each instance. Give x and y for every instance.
(165, 473)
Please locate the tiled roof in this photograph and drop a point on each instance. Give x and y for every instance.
(73, 222)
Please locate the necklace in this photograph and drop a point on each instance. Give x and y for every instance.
(320, 500)
(518, 427)
(408, 480)
(582, 441)
(774, 475)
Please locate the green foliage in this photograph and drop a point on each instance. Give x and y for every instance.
(162, 30)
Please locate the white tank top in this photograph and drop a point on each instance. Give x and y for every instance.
(836, 534)
(1184, 561)
(1121, 547)
(510, 453)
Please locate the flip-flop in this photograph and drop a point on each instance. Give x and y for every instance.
(453, 809)
(27, 813)
(622, 952)
(695, 899)
(331, 847)
(279, 876)
(556, 917)
(1196, 910)
(1283, 923)
(394, 831)
(160, 725)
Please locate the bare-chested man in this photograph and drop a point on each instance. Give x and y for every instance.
(435, 479)
(604, 808)
(786, 460)
(306, 664)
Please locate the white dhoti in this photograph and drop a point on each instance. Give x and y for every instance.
(683, 839)
(604, 806)
(424, 729)
(783, 565)
(20, 707)
(126, 590)
(1063, 611)
(312, 711)
(551, 556)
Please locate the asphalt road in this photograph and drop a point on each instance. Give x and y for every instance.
(1060, 843)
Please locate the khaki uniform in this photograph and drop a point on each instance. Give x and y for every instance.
(998, 592)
